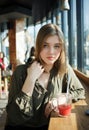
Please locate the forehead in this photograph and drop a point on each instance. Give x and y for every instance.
(52, 39)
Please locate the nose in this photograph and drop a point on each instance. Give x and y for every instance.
(51, 50)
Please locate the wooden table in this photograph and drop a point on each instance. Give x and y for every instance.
(78, 120)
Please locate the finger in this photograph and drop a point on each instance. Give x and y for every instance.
(48, 110)
(54, 103)
(40, 64)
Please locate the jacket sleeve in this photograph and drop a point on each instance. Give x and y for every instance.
(75, 87)
(19, 105)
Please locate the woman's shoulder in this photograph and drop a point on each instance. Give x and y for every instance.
(20, 69)
(22, 66)
(70, 68)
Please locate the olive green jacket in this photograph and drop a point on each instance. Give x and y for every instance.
(29, 110)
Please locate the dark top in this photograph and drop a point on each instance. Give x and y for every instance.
(29, 110)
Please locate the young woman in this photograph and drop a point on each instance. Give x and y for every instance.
(2, 65)
(35, 84)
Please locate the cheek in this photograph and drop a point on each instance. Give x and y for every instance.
(58, 53)
(42, 54)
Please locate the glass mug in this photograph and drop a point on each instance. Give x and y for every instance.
(63, 104)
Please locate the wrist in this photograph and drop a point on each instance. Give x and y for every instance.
(28, 86)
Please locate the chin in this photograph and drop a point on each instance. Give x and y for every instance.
(50, 63)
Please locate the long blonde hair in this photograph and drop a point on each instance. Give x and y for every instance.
(46, 31)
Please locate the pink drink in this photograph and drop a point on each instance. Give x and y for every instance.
(64, 103)
(64, 109)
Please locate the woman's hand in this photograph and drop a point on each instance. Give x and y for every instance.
(54, 113)
(51, 108)
(35, 71)
(48, 109)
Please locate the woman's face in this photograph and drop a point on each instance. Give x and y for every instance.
(51, 50)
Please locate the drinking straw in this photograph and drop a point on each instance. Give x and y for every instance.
(68, 82)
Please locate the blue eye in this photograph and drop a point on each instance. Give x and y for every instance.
(57, 46)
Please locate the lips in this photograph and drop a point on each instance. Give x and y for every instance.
(50, 58)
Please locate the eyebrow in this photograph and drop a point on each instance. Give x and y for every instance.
(55, 43)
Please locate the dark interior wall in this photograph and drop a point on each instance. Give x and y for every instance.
(40, 8)
(14, 9)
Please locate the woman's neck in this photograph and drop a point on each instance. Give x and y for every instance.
(47, 68)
